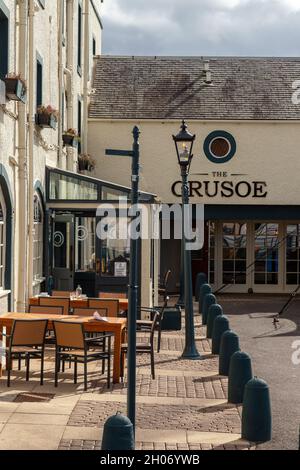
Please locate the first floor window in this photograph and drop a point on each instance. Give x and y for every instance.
(234, 253)
(38, 239)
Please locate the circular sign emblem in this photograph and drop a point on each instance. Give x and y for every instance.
(219, 147)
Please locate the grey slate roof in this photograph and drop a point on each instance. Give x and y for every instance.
(174, 87)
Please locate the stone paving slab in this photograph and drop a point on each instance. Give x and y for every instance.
(163, 361)
(176, 343)
(220, 418)
(174, 386)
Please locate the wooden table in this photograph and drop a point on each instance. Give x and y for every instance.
(114, 325)
(82, 303)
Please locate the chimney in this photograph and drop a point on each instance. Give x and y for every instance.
(207, 71)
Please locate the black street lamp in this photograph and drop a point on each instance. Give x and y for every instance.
(184, 142)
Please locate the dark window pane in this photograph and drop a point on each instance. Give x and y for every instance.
(227, 278)
(260, 252)
(292, 254)
(228, 253)
(292, 266)
(228, 265)
(240, 266)
(260, 266)
(272, 278)
(241, 253)
(292, 279)
(260, 278)
(240, 278)
(272, 266)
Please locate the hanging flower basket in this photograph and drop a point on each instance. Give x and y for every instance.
(46, 117)
(86, 162)
(70, 138)
(15, 88)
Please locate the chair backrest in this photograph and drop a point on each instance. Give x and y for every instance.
(112, 305)
(63, 302)
(28, 332)
(163, 308)
(89, 312)
(53, 310)
(61, 293)
(69, 334)
(167, 278)
(112, 295)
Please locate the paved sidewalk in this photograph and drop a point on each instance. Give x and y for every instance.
(184, 408)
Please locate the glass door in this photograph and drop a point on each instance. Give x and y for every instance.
(267, 244)
(63, 252)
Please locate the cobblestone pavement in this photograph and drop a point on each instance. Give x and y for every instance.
(173, 386)
(190, 418)
(174, 362)
(79, 444)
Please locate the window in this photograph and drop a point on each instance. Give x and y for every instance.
(2, 240)
(266, 253)
(79, 35)
(39, 82)
(38, 239)
(4, 27)
(234, 253)
(79, 121)
(212, 244)
(293, 254)
(219, 147)
(115, 250)
(63, 187)
(85, 251)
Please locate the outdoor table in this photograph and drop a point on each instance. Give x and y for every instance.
(115, 325)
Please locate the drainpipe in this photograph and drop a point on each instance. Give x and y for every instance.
(31, 113)
(60, 14)
(86, 74)
(21, 238)
(69, 71)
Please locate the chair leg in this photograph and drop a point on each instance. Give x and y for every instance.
(122, 366)
(103, 360)
(19, 362)
(42, 369)
(27, 367)
(8, 368)
(63, 365)
(85, 375)
(75, 370)
(108, 362)
(57, 367)
(158, 340)
(152, 364)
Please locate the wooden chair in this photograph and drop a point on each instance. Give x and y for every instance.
(71, 345)
(112, 305)
(49, 309)
(61, 293)
(26, 341)
(112, 295)
(144, 325)
(88, 312)
(143, 348)
(56, 302)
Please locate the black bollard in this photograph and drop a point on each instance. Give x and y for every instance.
(221, 324)
(213, 312)
(256, 415)
(200, 280)
(118, 433)
(209, 300)
(229, 345)
(240, 372)
(204, 289)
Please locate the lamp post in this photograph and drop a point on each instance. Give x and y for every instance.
(133, 276)
(184, 142)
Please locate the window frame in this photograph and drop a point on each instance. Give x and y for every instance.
(6, 13)
(3, 242)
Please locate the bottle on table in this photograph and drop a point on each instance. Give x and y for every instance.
(78, 291)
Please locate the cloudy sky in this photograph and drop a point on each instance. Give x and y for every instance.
(201, 27)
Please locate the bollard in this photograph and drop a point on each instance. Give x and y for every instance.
(209, 300)
(256, 415)
(200, 280)
(221, 324)
(118, 433)
(204, 289)
(213, 312)
(240, 372)
(229, 345)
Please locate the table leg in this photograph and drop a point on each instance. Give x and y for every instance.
(117, 355)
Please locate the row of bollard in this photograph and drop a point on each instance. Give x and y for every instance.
(243, 388)
(252, 392)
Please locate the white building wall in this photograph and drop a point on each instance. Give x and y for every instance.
(46, 143)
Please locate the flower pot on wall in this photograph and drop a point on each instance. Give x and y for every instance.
(15, 89)
(45, 120)
(70, 140)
